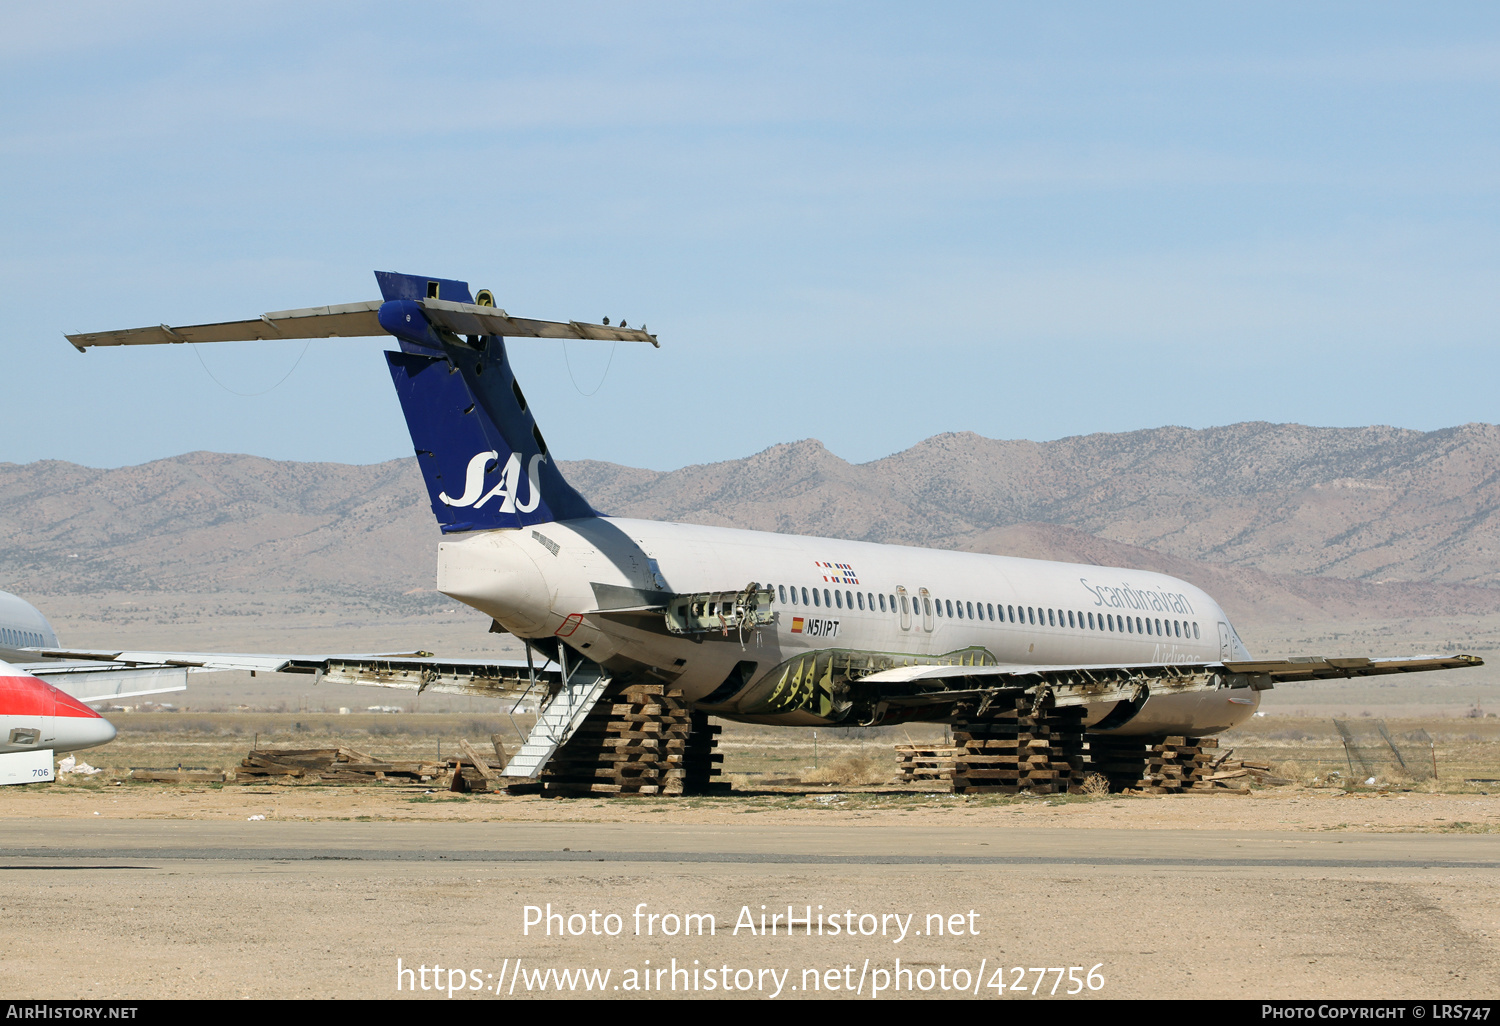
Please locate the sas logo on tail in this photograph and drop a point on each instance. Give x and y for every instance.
(506, 489)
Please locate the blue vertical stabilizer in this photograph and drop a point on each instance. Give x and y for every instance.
(484, 459)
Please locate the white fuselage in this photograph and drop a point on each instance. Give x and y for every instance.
(1018, 611)
(22, 626)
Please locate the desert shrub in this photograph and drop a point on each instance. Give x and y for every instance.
(1095, 784)
(851, 769)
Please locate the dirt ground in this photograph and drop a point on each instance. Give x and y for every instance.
(150, 891)
(1388, 890)
(1287, 808)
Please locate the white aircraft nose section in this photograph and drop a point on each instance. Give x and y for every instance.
(71, 733)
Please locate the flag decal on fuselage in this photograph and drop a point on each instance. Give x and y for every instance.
(837, 573)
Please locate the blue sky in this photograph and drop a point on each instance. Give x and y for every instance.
(861, 223)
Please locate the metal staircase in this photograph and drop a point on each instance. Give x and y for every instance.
(582, 686)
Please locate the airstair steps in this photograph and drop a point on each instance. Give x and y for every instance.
(559, 719)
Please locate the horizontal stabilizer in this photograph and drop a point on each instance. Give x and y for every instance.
(351, 320)
(469, 319)
(359, 320)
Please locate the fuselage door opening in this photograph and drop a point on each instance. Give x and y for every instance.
(927, 619)
(1226, 647)
(905, 601)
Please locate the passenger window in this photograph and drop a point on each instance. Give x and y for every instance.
(804, 596)
(1050, 621)
(882, 603)
(781, 590)
(949, 603)
(893, 603)
(1177, 627)
(1070, 618)
(1031, 615)
(849, 599)
(990, 608)
(815, 598)
(861, 598)
(1091, 622)
(827, 599)
(903, 603)
(839, 599)
(1195, 630)
(926, 606)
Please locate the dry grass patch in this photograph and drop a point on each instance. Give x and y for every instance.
(850, 770)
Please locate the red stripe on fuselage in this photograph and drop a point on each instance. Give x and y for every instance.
(30, 696)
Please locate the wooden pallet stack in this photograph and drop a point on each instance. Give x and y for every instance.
(1177, 764)
(1010, 750)
(927, 763)
(634, 742)
(340, 765)
(702, 762)
(1120, 760)
(1172, 765)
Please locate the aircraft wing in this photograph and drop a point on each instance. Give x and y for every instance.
(416, 671)
(1285, 671)
(1087, 684)
(108, 681)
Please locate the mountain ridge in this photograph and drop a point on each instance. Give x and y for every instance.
(1295, 521)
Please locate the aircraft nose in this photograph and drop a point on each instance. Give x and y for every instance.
(70, 733)
(101, 732)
